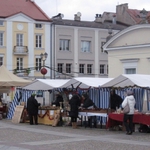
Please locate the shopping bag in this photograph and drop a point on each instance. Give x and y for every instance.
(126, 109)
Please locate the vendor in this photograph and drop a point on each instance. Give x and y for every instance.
(87, 102)
(115, 100)
(58, 99)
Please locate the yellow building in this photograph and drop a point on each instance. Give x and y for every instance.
(24, 35)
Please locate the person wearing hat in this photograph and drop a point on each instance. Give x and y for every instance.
(32, 108)
(128, 118)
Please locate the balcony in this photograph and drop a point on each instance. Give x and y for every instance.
(20, 50)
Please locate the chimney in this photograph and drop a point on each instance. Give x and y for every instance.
(77, 17)
(98, 18)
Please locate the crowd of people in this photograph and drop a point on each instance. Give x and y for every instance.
(79, 102)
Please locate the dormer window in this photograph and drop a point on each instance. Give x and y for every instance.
(1, 23)
(38, 25)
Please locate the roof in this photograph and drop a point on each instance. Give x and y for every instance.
(86, 82)
(31, 9)
(81, 82)
(8, 79)
(45, 84)
(136, 15)
(90, 24)
(124, 80)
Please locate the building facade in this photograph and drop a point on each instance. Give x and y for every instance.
(77, 46)
(129, 51)
(23, 37)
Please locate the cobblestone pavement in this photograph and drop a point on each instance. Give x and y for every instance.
(42, 137)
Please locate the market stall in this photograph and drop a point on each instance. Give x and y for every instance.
(48, 115)
(87, 115)
(115, 119)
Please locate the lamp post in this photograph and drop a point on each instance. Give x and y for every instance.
(43, 58)
(43, 69)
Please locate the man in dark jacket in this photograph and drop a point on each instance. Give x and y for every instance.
(32, 108)
(115, 100)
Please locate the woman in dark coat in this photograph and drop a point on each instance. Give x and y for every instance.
(74, 104)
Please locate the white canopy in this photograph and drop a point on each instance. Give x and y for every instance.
(125, 80)
(45, 84)
(82, 82)
(86, 82)
(9, 79)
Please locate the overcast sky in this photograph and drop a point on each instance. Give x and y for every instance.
(87, 8)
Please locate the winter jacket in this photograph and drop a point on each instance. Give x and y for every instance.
(58, 100)
(115, 100)
(32, 106)
(74, 104)
(131, 101)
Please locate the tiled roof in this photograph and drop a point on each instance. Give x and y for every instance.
(12, 7)
(135, 14)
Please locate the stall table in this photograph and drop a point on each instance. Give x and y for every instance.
(93, 113)
(115, 119)
(46, 116)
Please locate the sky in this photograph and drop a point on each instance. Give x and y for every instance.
(87, 8)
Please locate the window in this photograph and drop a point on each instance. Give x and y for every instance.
(19, 63)
(38, 41)
(89, 68)
(130, 66)
(1, 60)
(1, 23)
(81, 68)
(68, 68)
(64, 45)
(85, 46)
(130, 71)
(38, 64)
(19, 40)
(1, 38)
(60, 68)
(38, 25)
(102, 68)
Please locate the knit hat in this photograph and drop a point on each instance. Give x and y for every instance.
(33, 94)
(129, 92)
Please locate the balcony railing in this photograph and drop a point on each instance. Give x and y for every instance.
(20, 50)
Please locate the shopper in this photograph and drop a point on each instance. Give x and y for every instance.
(32, 108)
(128, 118)
(74, 104)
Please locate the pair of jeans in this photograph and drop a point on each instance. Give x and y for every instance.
(128, 122)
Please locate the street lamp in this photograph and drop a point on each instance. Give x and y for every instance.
(43, 58)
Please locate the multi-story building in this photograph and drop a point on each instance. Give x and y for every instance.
(24, 35)
(77, 46)
(128, 51)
